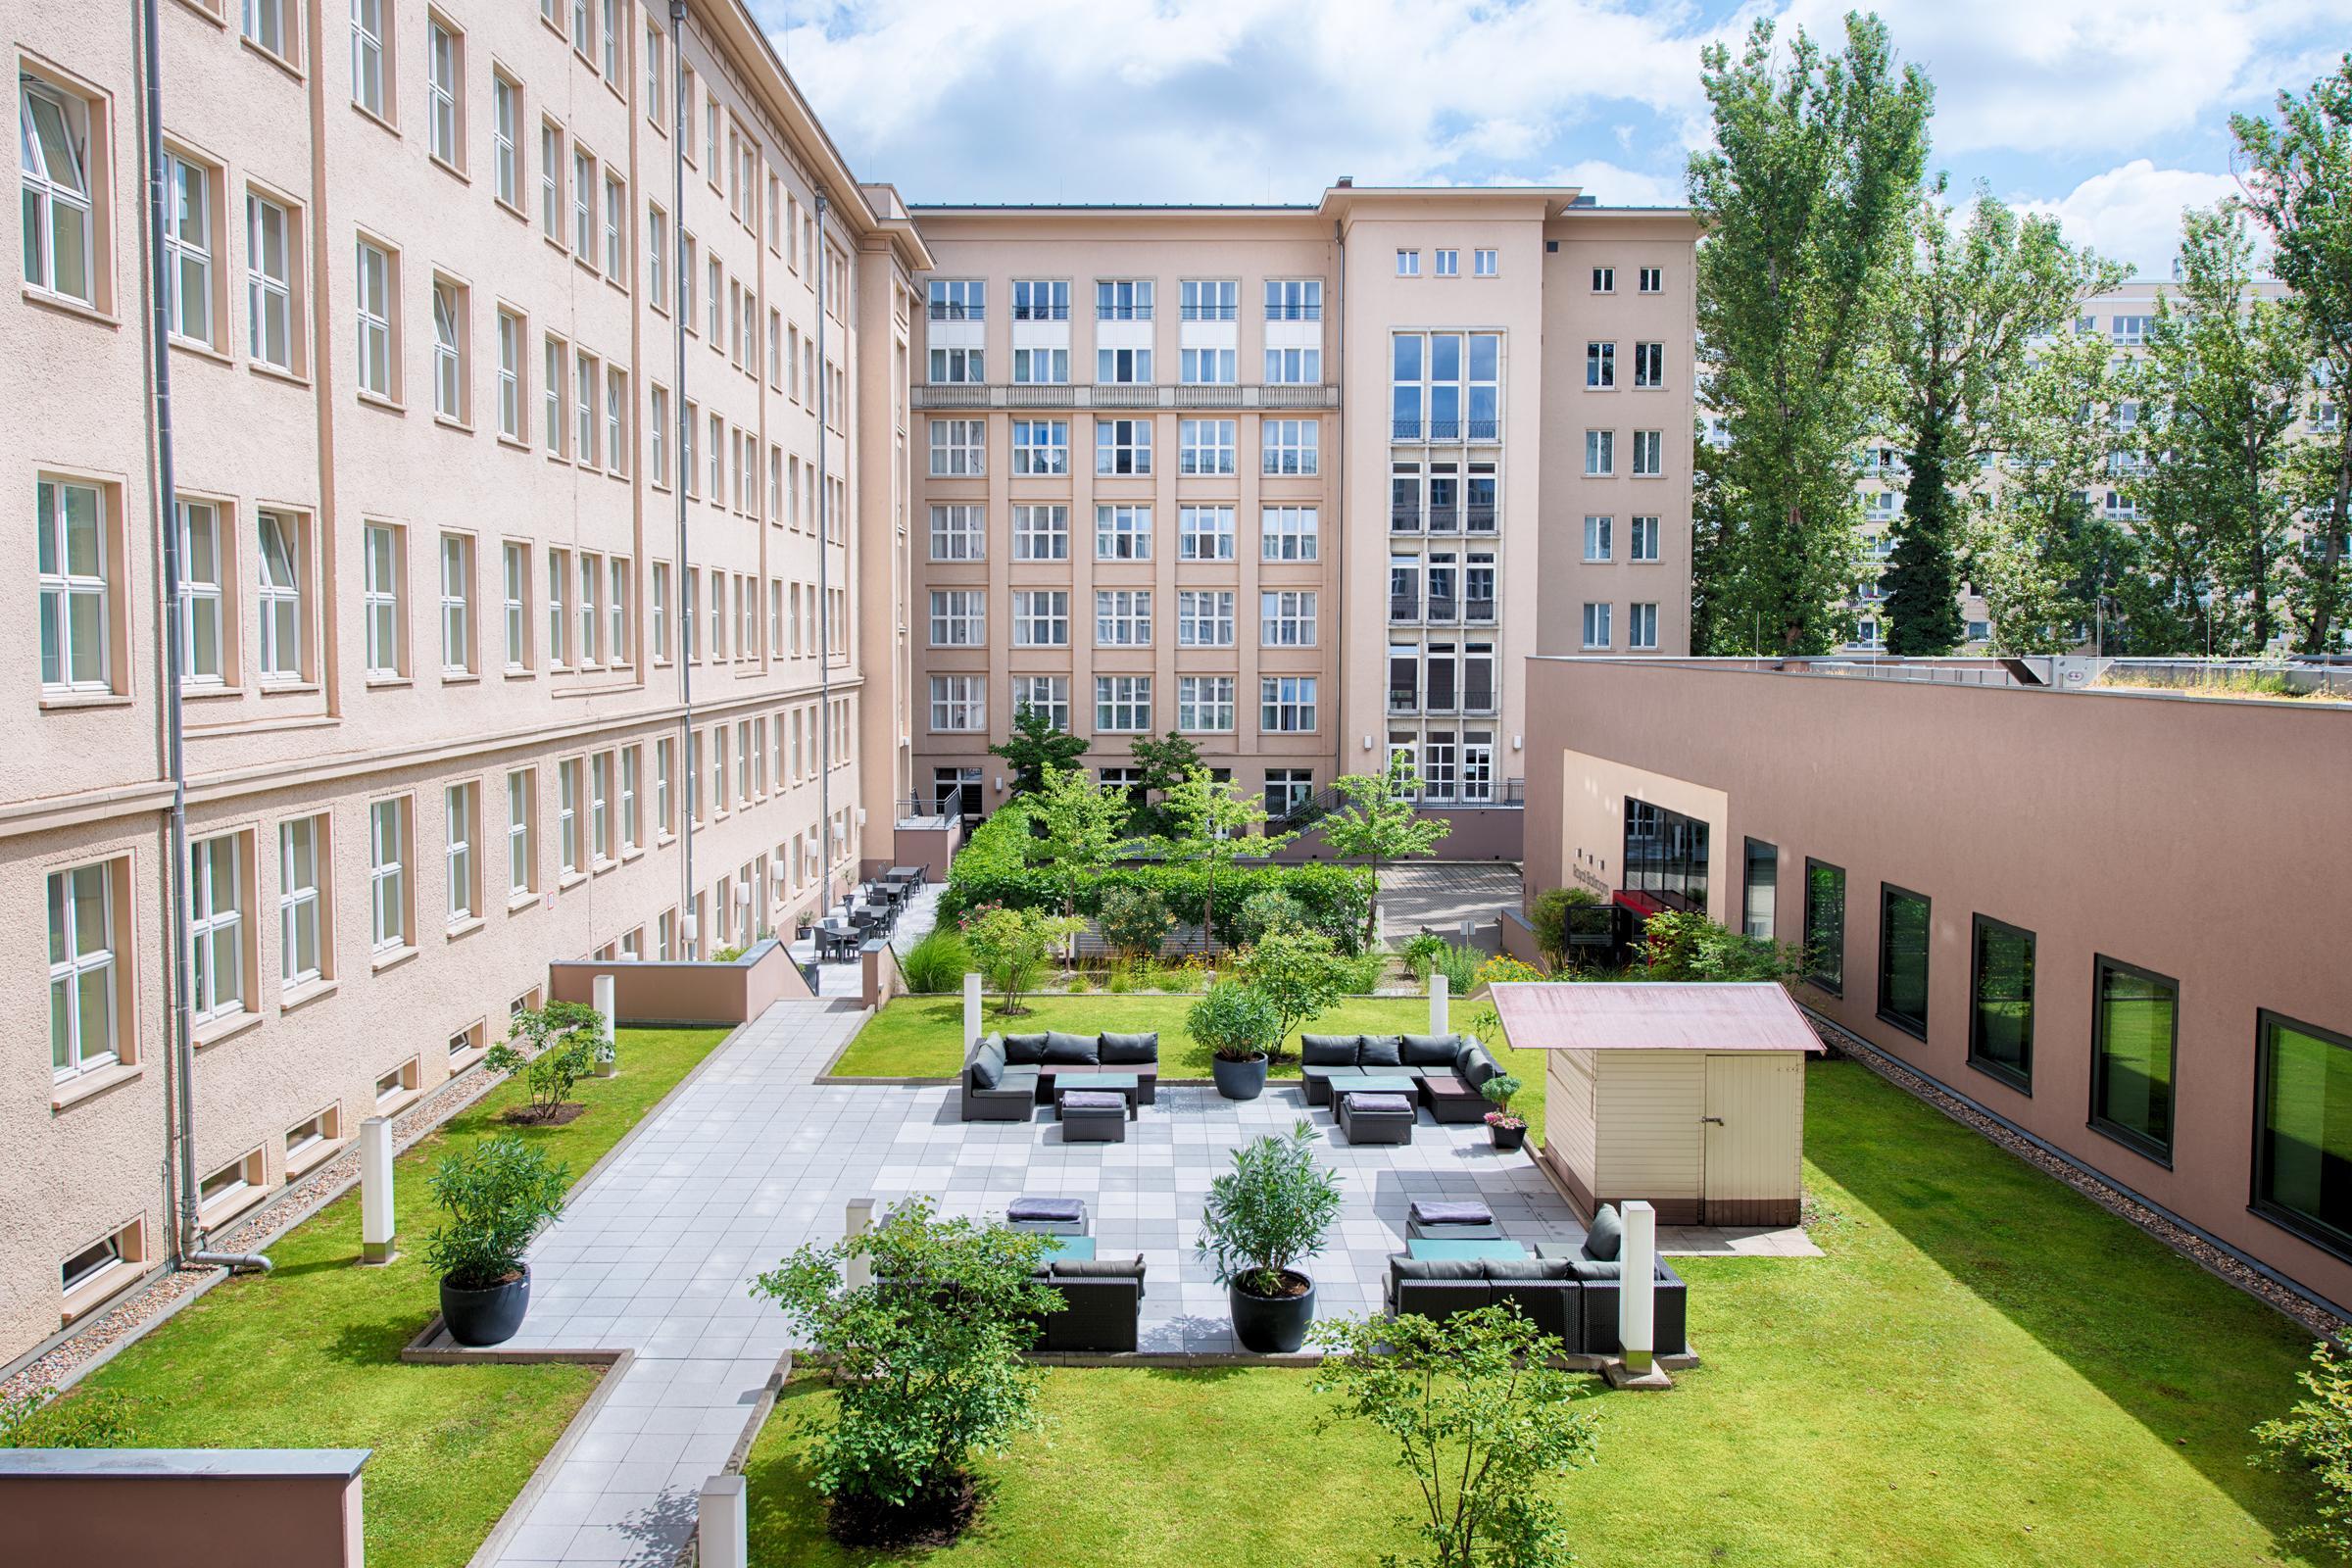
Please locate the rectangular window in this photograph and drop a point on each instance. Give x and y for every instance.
(957, 299)
(632, 763)
(1041, 367)
(1206, 367)
(583, 204)
(457, 604)
(54, 145)
(217, 927)
(272, 26)
(2303, 1131)
(1760, 890)
(1601, 454)
(1041, 299)
(1286, 618)
(1123, 299)
(1041, 618)
(505, 139)
(617, 202)
(509, 375)
(368, 87)
(568, 815)
(958, 617)
(1649, 365)
(377, 281)
(1041, 534)
(385, 614)
(1288, 789)
(1649, 454)
(1204, 618)
(1644, 543)
(559, 608)
(443, 124)
(1206, 446)
(514, 619)
(1449, 264)
(952, 367)
(1604, 281)
(1123, 618)
(1903, 933)
(957, 705)
(82, 981)
(1642, 626)
(204, 607)
(1824, 926)
(268, 282)
(957, 533)
(388, 874)
(1047, 695)
(1204, 704)
(1485, 263)
(1041, 447)
(76, 587)
(1123, 446)
(1653, 280)
(461, 811)
(1204, 533)
(1289, 533)
(1600, 365)
(1287, 705)
(1123, 367)
(283, 625)
(301, 862)
(2136, 1022)
(1408, 264)
(1293, 299)
(522, 858)
(957, 446)
(600, 806)
(1122, 533)
(551, 182)
(449, 350)
(2000, 1002)
(1123, 705)
(1289, 446)
(1596, 625)
(1597, 533)
(1666, 854)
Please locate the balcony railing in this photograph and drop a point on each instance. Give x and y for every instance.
(1404, 519)
(1293, 313)
(1041, 313)
(1208, 312)
(1404, 700)
(1508, 794)
(1482, 517)
(1442, 607)
(1479, 612)
(1404, 609)
(940, 311)
(1453, 431)
(1118, 395)
(1445, 519)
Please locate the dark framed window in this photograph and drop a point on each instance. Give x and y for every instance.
(2136, 1033)
(2001, 1010)
(1824, 926)
(1904, 959)
(1760, 890)
(2303, 1129)
(1666, 856)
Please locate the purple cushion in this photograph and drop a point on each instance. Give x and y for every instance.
(1045, 1208)
(1452, 1211)
(1377, 1104)
(1094, 1099)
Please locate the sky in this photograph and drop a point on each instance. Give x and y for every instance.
(2111, 114)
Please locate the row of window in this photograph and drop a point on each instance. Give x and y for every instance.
(1445, 386)
(1124, 299)
(1204, 704)
(1600, 626)
(1442, 676)
(1126, 365)
(1600, 366)
(1601, 538)
(1447, 262)
(1442, 495)
(1601, 454)
(1041, 618)
(1041, 448)
(1125, 532)
(1440, 588)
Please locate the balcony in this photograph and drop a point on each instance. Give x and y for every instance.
(1113, 395)
(1456, 432)
(1479, 612)
(1209, 313)
(1041, 313)
(1482, 517)
(1293, 313)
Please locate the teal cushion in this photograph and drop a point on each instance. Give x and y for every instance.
(1025, 1050)
(1379, 1050)
(1438, 1268)
(1430, 1051)
(1327, 1051)
(1070, 1051)
(988, 1066)
(1605, 1235)
(1130, 1051)
(1586, 1268)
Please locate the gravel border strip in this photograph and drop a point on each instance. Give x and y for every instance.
(2216, 1260)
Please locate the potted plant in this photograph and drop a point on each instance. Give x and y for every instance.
(1240, 1025)
(1505, 1130)
(1263, 1215)
(496, 1196)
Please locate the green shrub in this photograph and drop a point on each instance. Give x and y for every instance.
(496, 1195)
(1235, 1021)
(937, 964)
(1677, 946)
(2315, 1438)
(1548, 915)
(1010, 948)
(1362, 973)
(1458, 962)
(95, 1418)
(1268, 910)
(727, 954)
(1134, 921)
(553, 1048)
(1120, 981)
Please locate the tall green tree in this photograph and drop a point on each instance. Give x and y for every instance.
(1969, 299)
(1036, 746)
(1378, 823)
(1212, 825)
(1804, 200)
(1162, 764)
(2297, 175)
(1080, 826)
(2222, 385)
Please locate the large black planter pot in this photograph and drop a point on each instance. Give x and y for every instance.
(486, 1317)
(1507, 1138)
(1272, 1325)
(1239, 1080)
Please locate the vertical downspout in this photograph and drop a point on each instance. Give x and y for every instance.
(1338, 496)
(190, 1231)
(688, 781)
(824, 558)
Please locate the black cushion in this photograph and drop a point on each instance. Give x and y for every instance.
(1526, 1268)
(1430, 1051)
(1327, 1051)
(1025, 1050)
(1045, 1208)
(988, 1066)
(1070, 1051)
(1605, 1235)
(1379, 1050)
(1478, 1069)
(1438, 1268)
(1130, 1051)
(1100, 1269)
(1586, 1268)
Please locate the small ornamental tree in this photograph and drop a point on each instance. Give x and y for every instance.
(1209, 825)
(496, 1195)
(1264, 910)
(1163, 765)
(1010, 947)
(1378, 823)
(1080, 826)
(1271, 1210)
(925, 1363)
(553, 1048)
(2315, 1438)
(1297, 971)
(1134, 921)
(1481, 1421)
(1035, 747)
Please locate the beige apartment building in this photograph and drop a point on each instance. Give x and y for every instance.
(1303, 484)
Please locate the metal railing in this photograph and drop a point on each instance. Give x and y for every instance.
(1125, 395)
(1208, 312)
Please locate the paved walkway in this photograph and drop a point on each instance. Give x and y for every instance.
(1419, 895)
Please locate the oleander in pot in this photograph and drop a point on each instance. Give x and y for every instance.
(1263, 1217)
(1503, 1130)
(495, 1196)
(1240, 1025)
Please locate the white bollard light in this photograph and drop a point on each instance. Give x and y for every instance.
(1637, 1286)
(859, 1219)
(376, 1237)
(607, 1059)
(722, 1522)
(971, 1012)
(1439, 995)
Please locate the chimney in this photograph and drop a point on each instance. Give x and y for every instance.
(1347, 182)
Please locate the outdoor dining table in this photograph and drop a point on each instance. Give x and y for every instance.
(910, 876)
(836, 940)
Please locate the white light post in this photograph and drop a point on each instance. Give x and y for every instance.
(1636, 1296)
(971, 1012)
(1438, 992)
(608, 1056)
(858, 1219)
(722, 1522)
(376, 1236)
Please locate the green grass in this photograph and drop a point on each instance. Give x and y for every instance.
(923, 1037)
(1985, 1370)
(309, 1355)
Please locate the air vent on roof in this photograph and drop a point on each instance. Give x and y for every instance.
(1586, 201)
(1347, 181)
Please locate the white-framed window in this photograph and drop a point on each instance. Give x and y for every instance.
(1599, 540)
(368, 87)
(551, 180)
(1293, 367)
(1600, 366)
(958, 533)
(1207, 366)
(382, 600)
(268, 282)
(618, 606)
(442, 64)
(1041, 299)
(1486, 263)
(958, 617)
(1123, 618)
(1652, 280)
(460, 811)
(505, 139)
(1122, 366)
(1642, 626)
(568, 815)
(555, 376)
(1204, 533)
(617, 422)
(632, 765)
(1290, 446)
(1206, 446)
(1293, 299)
(1649, 365)
(1288, 789)
(509, 375)
(1604, 281)
(217, 927)
(1204, 705)
(204, 607)
(958, 703)
(1649, 454)
(600, 804)
(587, 374)
(1641, 542)
(280, 555)
(1204, 617)
(53, 141)
(1408, 264)
(1286, 618)
(82, 981)
(617, 202)
(1123, 446)
(388, 874)
(2131, 331)
(1449, 264)
(1123, 299)
(1122, 533)
(301, 933)
(1041, 532)
(956, 447)
(522, 789)
(1041, 367)
(76, 587)
(559, 608)
(1290, 533)
(1041, 618)
(515, 583)
(583, 204)
(657, 600)
(1041, 447)
(1209, 299)
(272, 26)
(1601, 453)
(1123, 705)
(1287, 705)
(377, 281)
(658, 433)
(1596, 626)
(449, 350)
(1047, 695)
(957, 299)
(457, 604)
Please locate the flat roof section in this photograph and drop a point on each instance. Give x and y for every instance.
(1645, 1015)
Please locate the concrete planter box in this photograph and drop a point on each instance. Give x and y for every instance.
(651, 992)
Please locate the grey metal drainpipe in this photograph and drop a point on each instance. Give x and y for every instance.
(824, 559)
(190, 1231)
(679, 130)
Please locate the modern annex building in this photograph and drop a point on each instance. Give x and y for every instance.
(598, 515)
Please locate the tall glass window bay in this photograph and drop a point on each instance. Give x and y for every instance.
(1405, 373)
(1824, 926)
(1665, 854)
(2135, 1018)
(2303, 1132)
(2000, 1029)
(1903, 933)
(1759, 905)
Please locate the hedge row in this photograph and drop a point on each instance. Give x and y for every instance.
(991, 868)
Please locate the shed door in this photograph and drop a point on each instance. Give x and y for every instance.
(1753, 1130)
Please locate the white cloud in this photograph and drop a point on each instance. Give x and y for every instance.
(1614, 186)
(2132, 214)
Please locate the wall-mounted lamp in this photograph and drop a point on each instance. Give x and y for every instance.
(999, 783)
(1367, 743)
(862, 816)
(1514, 742)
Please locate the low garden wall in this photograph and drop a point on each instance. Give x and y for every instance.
(191, 1507)
(655, 993)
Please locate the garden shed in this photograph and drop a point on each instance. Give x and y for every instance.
(1688, 1096)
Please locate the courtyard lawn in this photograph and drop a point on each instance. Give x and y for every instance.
(923, 1037)
(1984, 1369)
(309, 1355)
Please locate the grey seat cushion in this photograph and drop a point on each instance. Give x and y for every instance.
(1586, 1268)
(1094, 1099)
(1130, 1051)
(1605, 1235)
(1045, 1208)
(1025, 1050)
(1100, 1269)
(1438, 1268)
(988, 1066)
(1431, 1051)
(1023, 1079)
(1452, 1211)
(1379, 1106)
(1527, 1268)
(1476, 1068)
(1380, 1050)
(1071, 1050)
(1327, 1051)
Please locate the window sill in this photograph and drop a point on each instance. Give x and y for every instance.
(394, 1104)
(514, 442)
(460, 677)
(303, 994)
(388, 682)
(392, 959)
(466, 1059)
(365, 113)
(632, 851)
(599, 867)
(462, 928)
(216, 1214)
(568, 880)
(99, 1292)
(201, 349)
(378, 400)
(278, 373)
(519, 674)
(280, 61)
(67, 304)
(90, 1085)
(61, 702)
(289, 688)
(215, 1031)
(209, 691)
(449, 169)
(310, 1159)
(450, 421)
(517, 902)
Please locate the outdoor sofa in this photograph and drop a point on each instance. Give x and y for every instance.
(1566, 1291)
(1448, 1071)
(1102, 1301)
(1008, 1076)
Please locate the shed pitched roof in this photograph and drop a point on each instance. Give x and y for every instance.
(1639, 1015)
